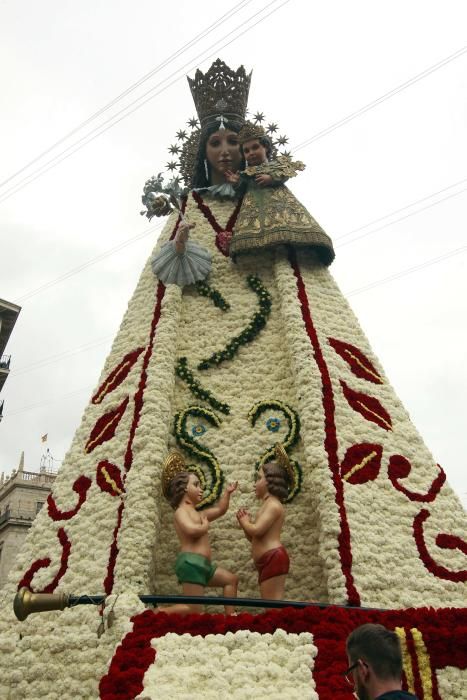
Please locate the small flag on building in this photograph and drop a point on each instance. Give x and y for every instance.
(44, 438)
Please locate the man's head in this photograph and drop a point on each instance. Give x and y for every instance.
(375, 660)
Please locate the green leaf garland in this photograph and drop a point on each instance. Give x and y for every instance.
(249, 333)
(203, 454)
(186, 375)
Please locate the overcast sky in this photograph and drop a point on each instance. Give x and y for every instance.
(314, 64)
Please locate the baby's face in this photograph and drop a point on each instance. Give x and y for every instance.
(261, 485)
(254, 152)
(194, 490)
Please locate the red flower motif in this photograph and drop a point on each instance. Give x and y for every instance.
(81, 487)
(432, 566)
(44, 563)
(357, 361)
(451, 542)
(117, 375)
(109, 579)
(361, 463)
(106, 426)
(109, 478)
(400, 467)
(330, 442)
(368, 406)
(223, 239)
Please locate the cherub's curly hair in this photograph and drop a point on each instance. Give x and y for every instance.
(177, 488)
(277, 480)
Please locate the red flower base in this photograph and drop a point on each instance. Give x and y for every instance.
(443, 633)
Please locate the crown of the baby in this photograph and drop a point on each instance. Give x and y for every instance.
(173, 465)
(284, 460)
(221, 92)
(251, 131)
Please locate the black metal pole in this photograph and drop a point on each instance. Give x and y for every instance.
(216, 600)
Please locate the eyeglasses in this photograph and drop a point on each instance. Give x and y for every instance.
(352, 668)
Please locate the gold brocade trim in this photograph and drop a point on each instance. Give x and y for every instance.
(282, 167)
(273, 216)
(244, 243)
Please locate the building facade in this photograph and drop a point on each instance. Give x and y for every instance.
(8, 315)
(22, 495)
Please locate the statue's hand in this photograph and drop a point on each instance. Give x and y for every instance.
(232, 177)
(263, 180)
(232, 487)
(182, 236)
(242, 513)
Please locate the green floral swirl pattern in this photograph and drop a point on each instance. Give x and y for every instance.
(216, 297)
(256, 324)
(291, 438)
(200, 452)
(186, 375)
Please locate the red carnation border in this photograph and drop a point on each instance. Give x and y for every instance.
(442, 630)
(330, 442)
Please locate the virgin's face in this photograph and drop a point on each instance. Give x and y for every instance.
(223, 153)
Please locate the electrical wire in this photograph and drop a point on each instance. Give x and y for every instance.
(45, 402)
(353, 292)
(92, 261)
(138, 237)
(408, 271)
(401, 209)
(401, 218)
(52, 359)
(382, 98)
(205, 32)
(112, 121)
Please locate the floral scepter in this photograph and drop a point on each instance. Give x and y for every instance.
(178, 261)
(160, 199)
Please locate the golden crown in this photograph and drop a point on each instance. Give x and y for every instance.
(173, 465)
(284, 461)
(251, 131)
(221, 94)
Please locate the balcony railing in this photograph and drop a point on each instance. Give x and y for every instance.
(25, 515)
(5, 361)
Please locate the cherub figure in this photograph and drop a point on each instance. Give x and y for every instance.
(270, 214)
(194, 568)
(269, 555)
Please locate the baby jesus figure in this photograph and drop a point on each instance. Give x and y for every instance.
(269, 555)
(270, 214)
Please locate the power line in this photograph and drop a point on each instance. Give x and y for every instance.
(353, 292)
(402, 218)
(205, 32)
(382, 98)
(90, 262)
(134, 239)
(408, 271)
(398, 211)
(52, 359)
(39, 404)
(112, 121)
